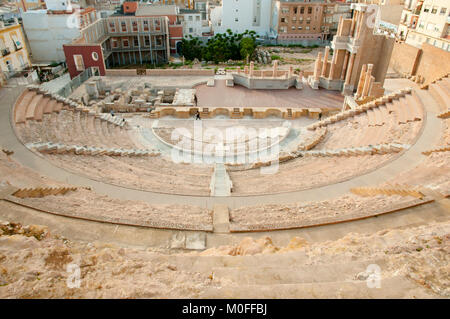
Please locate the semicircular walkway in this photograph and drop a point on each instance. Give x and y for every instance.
(408, 160)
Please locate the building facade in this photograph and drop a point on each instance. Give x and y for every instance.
(193, 25)
(49, 29)
(242, 15)
(431, 25)
(14, 55)
(119, 40)
(297, 21)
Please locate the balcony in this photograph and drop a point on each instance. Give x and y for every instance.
(5, 52)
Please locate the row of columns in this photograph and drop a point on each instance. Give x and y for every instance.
(250, 71)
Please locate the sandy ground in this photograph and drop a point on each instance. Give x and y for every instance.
(36, 264)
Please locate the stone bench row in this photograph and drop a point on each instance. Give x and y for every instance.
(355, 151)
(401, 190)
(58, 148)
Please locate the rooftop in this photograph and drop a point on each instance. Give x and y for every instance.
(148, 10)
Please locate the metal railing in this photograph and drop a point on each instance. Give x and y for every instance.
(67, 89)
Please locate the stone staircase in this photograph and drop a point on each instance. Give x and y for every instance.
(34, 102)
(296, 274)
(221, 184)
(372, 108)
(58, 148)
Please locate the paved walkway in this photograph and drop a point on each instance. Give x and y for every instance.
(408, 160)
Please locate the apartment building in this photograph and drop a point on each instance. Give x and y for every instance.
(242, 15)
(409, 18)
(193, 25)
(430, 25)
(47, 30)
(299, 21)
(119, 40)
(13, 51)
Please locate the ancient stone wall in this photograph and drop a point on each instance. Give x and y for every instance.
(429, 62)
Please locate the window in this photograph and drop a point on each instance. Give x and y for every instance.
(236, 19)
(114, 43)
(295, 10)
(293, 27)
(123, 26)
(302, 10)
(78, 59)
(136, 41)
(307, 27)
(95, 56)
(125, 43)
(283, 20)
(146, 41)
(112, 27)
(16, 42)
(443, 11)
(300, 27)
(135, 26)
(190, 18)
(191, 30)
(309, 10)
(434, 10)
(426, 9)
(145, 23)
(197, 18)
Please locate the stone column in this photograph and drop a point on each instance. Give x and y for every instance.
(325, 61)
(317, 66)
(300, 76)
(360, 25)
(291, 71)
(275, 68)
(333, 65)
(361, 81)
(352, 29)
(252, 66)
(368, 75)
(239, 70)
(340, 25)
(344, 66)
(246, 69)
(350, 69)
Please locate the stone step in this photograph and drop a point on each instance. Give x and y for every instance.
(293, 275)
(390, 288)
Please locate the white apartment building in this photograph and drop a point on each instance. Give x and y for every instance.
(432, 25)
(193, 24)
(241, 15)
(48, 29)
